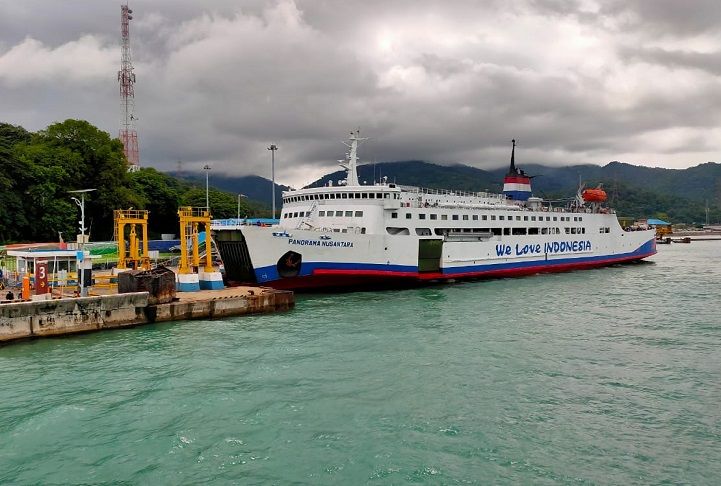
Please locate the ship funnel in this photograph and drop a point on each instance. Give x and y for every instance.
(516, 184)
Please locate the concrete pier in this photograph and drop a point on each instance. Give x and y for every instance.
(21, 320)
(231, 301)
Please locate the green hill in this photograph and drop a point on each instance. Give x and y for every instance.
(679, 195)
(257, 189)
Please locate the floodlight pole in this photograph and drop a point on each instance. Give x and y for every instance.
(206, 168)
(239, 196)
(81, 203)
(273, 147)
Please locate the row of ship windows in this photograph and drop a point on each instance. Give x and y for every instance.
(432, 216)
(359, 214)
(342, 195)
(306, 214)
(345, 230)
(485, 217)
(490, 231)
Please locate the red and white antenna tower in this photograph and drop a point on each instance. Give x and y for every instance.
(126, 77)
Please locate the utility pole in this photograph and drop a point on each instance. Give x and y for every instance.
(273, 147)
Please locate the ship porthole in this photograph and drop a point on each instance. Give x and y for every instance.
(289, 264)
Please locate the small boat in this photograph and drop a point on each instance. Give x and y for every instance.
(594, 195)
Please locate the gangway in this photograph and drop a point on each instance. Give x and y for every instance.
(209, 278)
(131, 257)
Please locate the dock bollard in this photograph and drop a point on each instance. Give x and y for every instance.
(26, 287)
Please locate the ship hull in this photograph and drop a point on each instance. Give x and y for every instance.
(378, 261)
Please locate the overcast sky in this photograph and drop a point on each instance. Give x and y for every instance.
(575, 81)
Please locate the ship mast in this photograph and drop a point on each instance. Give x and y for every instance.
(512, 170)
(351, 163)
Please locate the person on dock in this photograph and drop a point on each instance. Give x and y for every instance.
(10, 295)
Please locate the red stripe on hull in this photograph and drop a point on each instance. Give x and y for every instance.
(343, 280)
(329, 278)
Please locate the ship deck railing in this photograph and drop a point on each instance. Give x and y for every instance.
(507, 205)
(449, 192)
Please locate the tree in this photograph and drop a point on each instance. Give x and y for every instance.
(159, 194)
(12, 173)
(99, 164)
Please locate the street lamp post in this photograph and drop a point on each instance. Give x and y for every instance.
(81, 203)
(239, 196)
(206, 168)
(273, 147)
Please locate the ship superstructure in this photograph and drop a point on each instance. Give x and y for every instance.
(353, 234)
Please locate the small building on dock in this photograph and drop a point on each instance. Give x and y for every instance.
(62, 264)
(662, 227)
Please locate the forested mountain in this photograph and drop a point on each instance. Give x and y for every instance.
(255, 188)
(679, 195)
(423, 174)
(639, 192)
(699, 183)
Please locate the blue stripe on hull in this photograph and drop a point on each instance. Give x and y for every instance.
(644, 249)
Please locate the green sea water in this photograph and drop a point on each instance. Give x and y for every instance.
(609, 376)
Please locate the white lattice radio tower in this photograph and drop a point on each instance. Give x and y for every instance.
(126, 78)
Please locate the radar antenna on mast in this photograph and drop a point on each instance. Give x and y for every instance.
(351, 162)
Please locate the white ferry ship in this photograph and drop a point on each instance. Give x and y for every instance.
(353, 235)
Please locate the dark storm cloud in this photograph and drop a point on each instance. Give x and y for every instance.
(576, 81)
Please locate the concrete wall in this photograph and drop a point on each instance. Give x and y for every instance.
(222, 307)
(65, 316)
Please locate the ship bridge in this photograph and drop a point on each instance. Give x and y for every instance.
(340, 208)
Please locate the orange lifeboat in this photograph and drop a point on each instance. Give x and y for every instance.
(594, 195)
